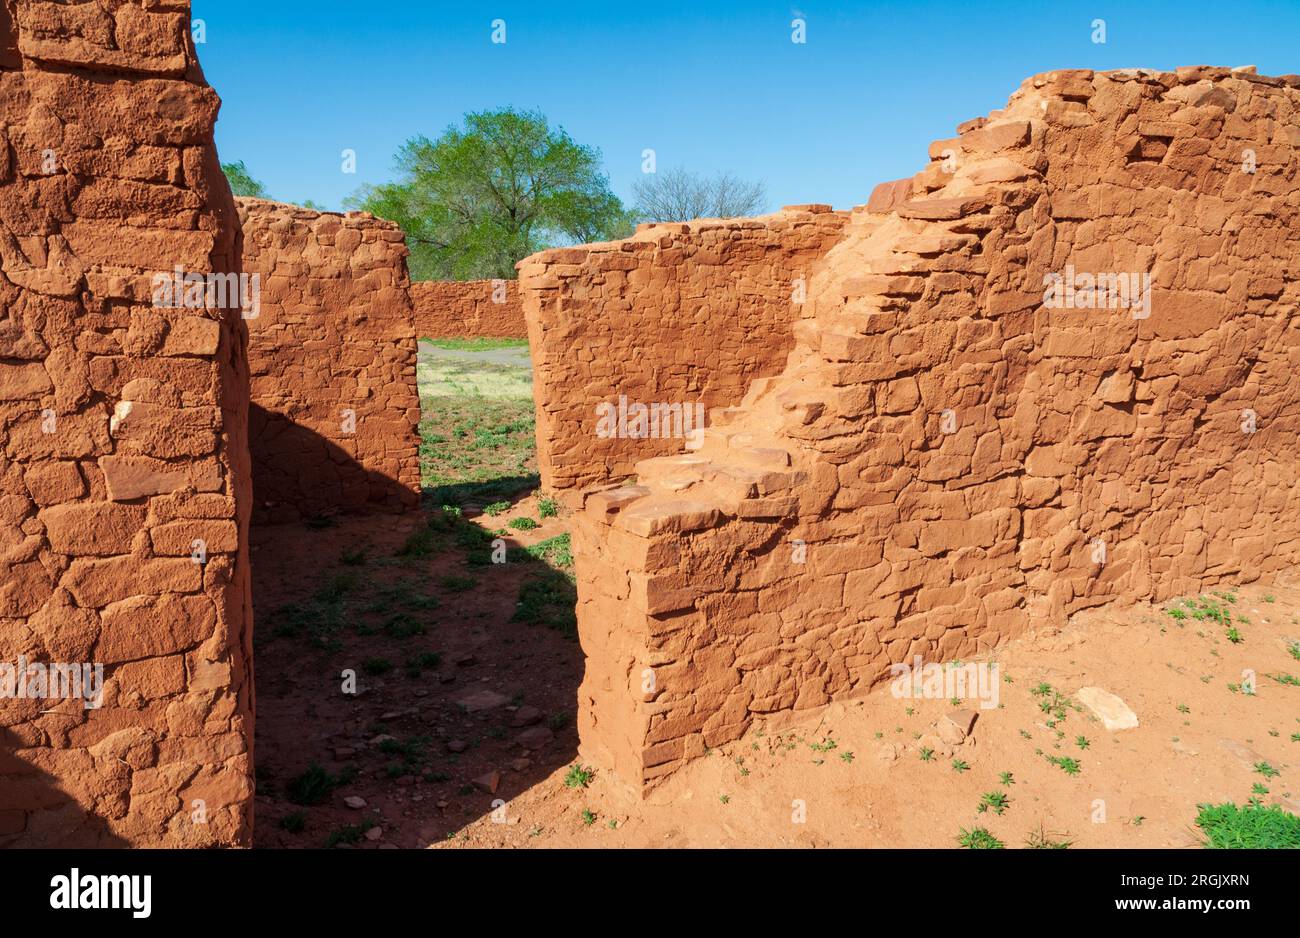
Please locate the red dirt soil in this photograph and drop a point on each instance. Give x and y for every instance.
(304, 718)
(1145, 782)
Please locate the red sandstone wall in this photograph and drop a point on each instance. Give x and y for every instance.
(947, 459)
(122, 437)
(678, 314)
(335, 410)
(466, 309)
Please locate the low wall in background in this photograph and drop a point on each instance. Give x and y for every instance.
(467, 309)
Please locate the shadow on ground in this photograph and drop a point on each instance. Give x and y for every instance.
(465, 674)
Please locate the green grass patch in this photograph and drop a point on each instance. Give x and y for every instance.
(977, 838)
(549, 600)
(348, 834)
(294, 823)
(1252, 827)
(314, 786)
(478, 426)
(476, 344)
(557, 551)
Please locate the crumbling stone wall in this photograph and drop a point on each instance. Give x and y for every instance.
(335, 410)
(964, 444)
(678, 315)
(467, 309)
(123, 456)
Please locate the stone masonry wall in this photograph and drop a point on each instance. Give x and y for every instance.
(124, 490)
(467, 309)
(952, 454)
(677, 315)
(335, 410)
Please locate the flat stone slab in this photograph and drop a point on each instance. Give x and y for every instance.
(482, 700)
(1111, 710)
(1249, 757)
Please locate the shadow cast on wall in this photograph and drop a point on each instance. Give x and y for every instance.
(299, 474)
(36, 812)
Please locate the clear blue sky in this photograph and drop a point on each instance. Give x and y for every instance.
(707, 85)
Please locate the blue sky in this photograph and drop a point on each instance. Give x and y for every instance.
(707, 85)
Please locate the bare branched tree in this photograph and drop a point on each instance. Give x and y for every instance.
(680, 195)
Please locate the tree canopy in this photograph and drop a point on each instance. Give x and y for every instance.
(491, 191)
(680, 195)
(242, 181)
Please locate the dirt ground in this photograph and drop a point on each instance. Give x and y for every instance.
(461, 731)
(1134, 788)
(850, 775)
(448, 678)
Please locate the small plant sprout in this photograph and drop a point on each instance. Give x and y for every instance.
(1066, 764)
(960, 766)
(978, 838)
(995, 801)
(1041, 840)
(579, 776)
(1006, 778)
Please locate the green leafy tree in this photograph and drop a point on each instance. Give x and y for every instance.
(242, 181)
(490, 192)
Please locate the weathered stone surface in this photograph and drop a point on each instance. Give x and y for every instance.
(1107, 707)
(676, 316)
(482, 700)
(454, 309)
(965, 450)
(115, 406)
(332, 351)
(954, 727)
